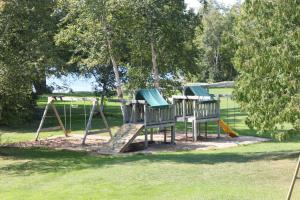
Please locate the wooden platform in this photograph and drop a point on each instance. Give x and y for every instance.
(192, 118)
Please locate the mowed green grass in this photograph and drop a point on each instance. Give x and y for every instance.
(259, 171)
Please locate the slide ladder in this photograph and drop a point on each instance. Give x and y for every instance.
(124, 137)
(227, 129)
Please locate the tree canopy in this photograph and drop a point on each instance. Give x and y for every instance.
(268, 63)
(26, 49)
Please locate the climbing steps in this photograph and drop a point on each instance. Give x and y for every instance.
(123, 138)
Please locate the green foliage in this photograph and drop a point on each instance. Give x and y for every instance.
(26, 30)
(215, 43)
(167, 26)
(268, 61)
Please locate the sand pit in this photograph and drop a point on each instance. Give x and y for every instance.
(96, 144)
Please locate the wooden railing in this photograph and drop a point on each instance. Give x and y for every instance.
(140, 112)
(193, 106)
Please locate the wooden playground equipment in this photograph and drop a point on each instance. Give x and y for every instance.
(295, 177)
(146, 113)
(62, 126)
(148, 110)
(197, 106)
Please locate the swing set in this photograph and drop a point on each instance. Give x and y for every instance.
(94, 111)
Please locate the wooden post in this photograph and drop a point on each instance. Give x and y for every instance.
(199, 129)
(58, 119)
(219, 115)
(205, 129)
(43, 120)
(173, 134)
(195, 129)
(185, 128)
(145, 122)
(134, 113)
(88, 126)
(294, 180)
(103, 118)
(219, 129)
(151, 134)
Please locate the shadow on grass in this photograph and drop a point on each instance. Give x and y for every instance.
(29, 161)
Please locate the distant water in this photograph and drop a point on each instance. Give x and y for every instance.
(65, 83)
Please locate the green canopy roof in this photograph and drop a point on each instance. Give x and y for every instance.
(195, 91)
(198, 91)
(152, 97)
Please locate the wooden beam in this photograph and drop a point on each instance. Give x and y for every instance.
(42, 121)
(88, 126)
(55, 128)
(104, 119)
(97, 132)
(95, 107)
(59, 120)
(294, 180)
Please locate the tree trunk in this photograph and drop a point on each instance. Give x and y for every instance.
(154, 66)
(40, 85)
(116, 70)
(102, 101)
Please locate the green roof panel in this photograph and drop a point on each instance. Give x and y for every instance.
(152, 97)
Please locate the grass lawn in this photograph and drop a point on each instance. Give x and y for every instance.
(259, 171)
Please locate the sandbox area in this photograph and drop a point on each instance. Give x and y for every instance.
(96, 144)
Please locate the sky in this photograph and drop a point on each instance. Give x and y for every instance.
(83, 84)
(195, 3)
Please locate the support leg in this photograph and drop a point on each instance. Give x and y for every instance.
(219, 129)
(146, 138)
(88, 126)
(173, 134)
(195, 131)
(59, 120)
(165, 135)
(151, 134)
(185, 128)
(42, 122)
(199, 130)
(104, 119)
(294, 180)
(206, 130)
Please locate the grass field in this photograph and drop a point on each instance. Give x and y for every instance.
(260, 171)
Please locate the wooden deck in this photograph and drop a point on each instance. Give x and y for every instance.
(138, 111)
(196, 110)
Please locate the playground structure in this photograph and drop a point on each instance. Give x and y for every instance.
(62, 126)
(149, 110)
(197, 106)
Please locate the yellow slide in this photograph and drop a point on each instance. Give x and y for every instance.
(227, 129)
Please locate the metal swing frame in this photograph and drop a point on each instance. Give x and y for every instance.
(95, 108)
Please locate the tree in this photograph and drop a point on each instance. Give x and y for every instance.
(215, 43)
(25, 50)
(268, 62)
(160, 37)
(105, 80)
(93, 31)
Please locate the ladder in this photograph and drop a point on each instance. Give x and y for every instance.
(294, 180)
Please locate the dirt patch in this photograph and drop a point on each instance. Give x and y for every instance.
(96, 144)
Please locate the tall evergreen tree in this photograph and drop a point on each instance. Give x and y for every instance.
(269, 63)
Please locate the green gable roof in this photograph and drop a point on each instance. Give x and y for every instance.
(195, 91)
(198, 91)
(152, 97)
